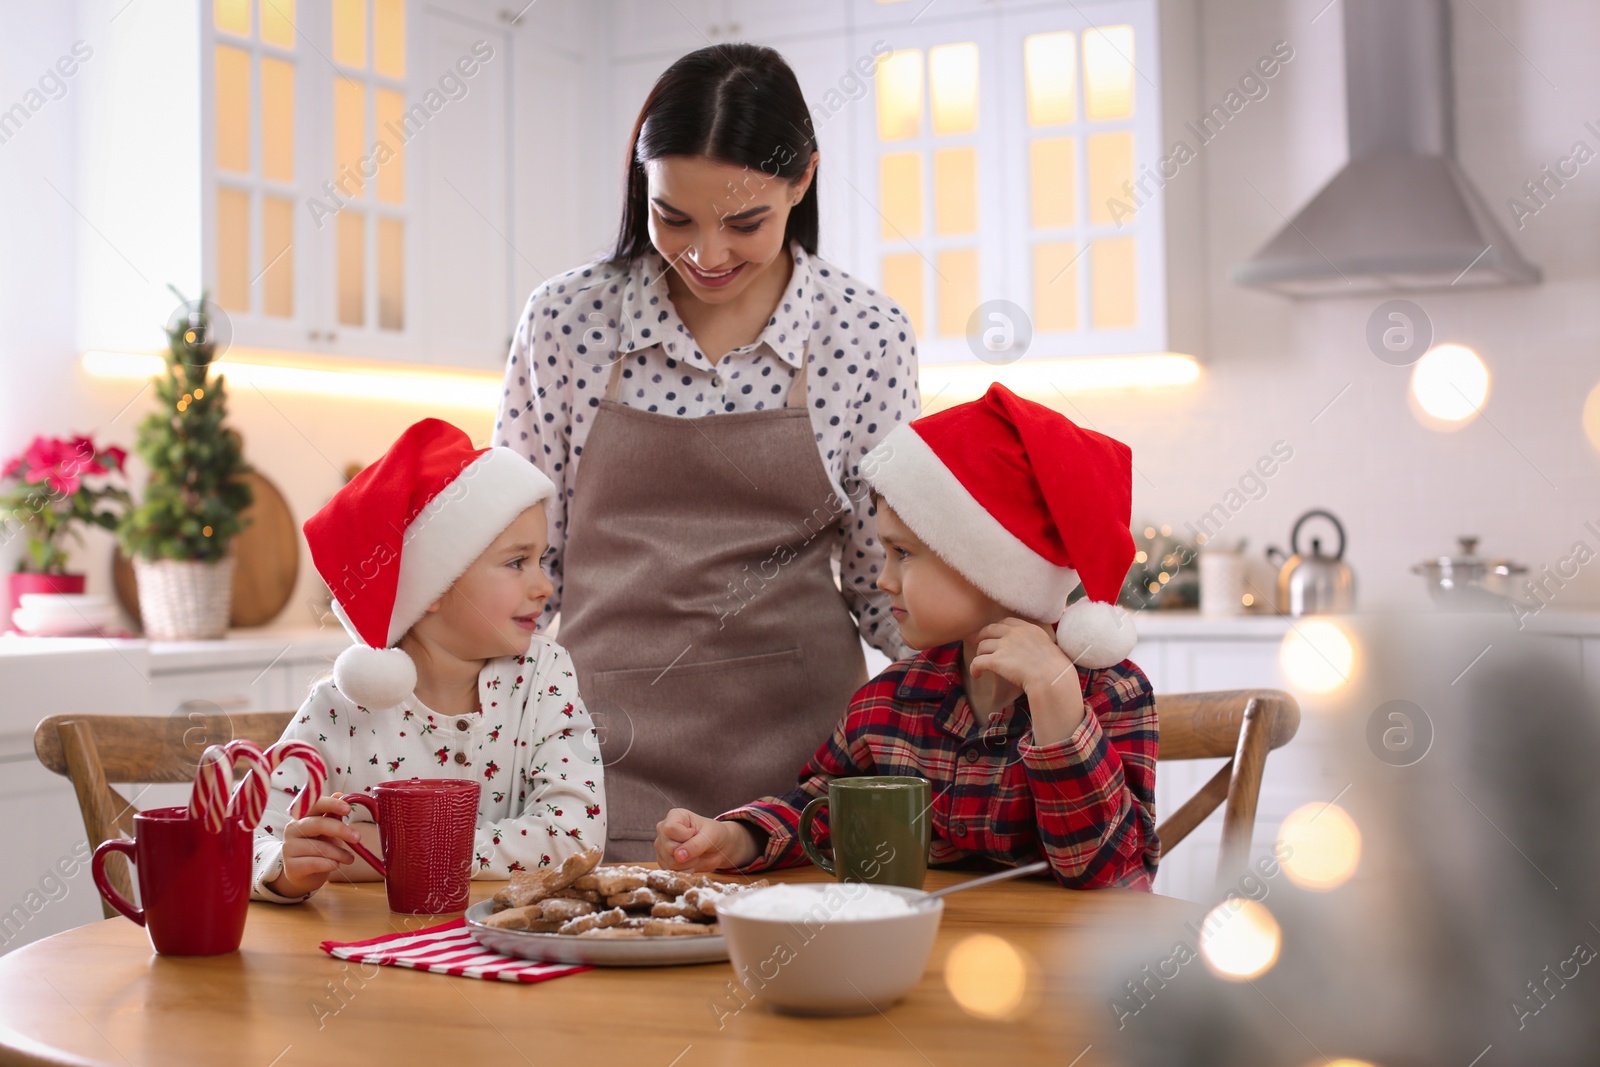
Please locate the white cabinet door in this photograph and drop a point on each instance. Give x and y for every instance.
(464, 204)
(771, 22)
(238, 689)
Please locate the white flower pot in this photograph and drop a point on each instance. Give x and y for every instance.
(184, 600)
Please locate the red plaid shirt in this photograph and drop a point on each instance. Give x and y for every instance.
(1087, 803)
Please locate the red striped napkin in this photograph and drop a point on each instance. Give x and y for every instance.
(446, 949)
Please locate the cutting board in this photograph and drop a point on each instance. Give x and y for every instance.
(267, 554)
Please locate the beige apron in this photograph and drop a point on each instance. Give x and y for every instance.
(711, 642)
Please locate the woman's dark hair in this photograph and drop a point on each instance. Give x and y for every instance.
(732, 103)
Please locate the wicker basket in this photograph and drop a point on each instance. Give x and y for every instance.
(184, 600)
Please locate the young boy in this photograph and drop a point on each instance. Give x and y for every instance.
(1036, 745)
(433, 558)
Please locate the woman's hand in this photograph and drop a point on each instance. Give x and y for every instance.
(315, 847)
(689, 842)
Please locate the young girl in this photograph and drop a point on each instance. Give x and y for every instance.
(433, 558)
(1037, 744)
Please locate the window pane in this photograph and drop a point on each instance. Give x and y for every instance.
(233, 249)
(1055, 286)
(1108, 73)
(390, 105)
(900, 194)
(349, 133)
(277, 256)
(277, 119)
(953, 84)
(958, 289)
(1113, 284)
(233, 109)
(277, 22)
(391, 274)
(352, 267)
(389, 38)
(350, 32)
(1052, 74)
(1110, 167)
(1053, 179)
(900, 95)
(955, 190)
(902, 281)
(232, 16)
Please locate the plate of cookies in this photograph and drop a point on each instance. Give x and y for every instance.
(613, 915)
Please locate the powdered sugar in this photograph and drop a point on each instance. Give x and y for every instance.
(846, 901)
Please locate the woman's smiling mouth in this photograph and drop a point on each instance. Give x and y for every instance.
(710, 279)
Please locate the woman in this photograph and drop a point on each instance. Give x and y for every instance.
(703, 398)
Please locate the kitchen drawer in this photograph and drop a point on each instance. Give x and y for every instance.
(233, 689)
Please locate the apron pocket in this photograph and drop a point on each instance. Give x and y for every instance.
(705, 736)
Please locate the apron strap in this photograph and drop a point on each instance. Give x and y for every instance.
(797, 387)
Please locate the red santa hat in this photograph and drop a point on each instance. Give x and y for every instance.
(394, 540)
(1025, 504)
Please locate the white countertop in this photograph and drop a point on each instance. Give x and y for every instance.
(241, 648)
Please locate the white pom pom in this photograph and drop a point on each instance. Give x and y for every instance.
(1096, 634)
(375, 678)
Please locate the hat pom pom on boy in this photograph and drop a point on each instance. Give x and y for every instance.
(395, 539)
(1026, 505)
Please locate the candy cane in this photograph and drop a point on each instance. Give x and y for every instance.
(249, 799)
(213, 777)
(316, 771)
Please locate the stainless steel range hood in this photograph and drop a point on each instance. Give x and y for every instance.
(1401, 215)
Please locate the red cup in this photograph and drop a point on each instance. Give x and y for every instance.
(426, 827)
(194, 884)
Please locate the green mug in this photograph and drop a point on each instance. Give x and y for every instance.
(881, 829)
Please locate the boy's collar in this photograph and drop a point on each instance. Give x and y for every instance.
(933, 672)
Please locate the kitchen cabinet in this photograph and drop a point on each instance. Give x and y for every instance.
(1007, 156)
(338, 175)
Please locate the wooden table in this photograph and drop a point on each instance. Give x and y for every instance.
(100, 995)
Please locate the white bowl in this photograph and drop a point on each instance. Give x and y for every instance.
(35, 623)
(63, 601)
(821, 965)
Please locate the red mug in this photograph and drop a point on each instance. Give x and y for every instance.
(194, 884)
(426, 828)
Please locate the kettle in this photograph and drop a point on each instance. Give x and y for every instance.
(1314, 584)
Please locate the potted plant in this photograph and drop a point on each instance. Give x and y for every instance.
(60, 484)
(178, 534)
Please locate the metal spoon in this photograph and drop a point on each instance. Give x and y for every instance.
(998, 876)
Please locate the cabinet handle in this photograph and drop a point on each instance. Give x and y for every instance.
(227, 704)
(330, 337)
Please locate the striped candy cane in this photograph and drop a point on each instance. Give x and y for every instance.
(316, 771)
(249, 800)
(213, 777)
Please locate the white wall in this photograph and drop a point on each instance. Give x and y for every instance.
(1404, 492)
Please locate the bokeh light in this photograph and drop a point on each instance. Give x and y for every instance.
(1450, 385)
(1322, 846)
(1240, 939)
(1591, 417)
(1316, 656)
(987, 976)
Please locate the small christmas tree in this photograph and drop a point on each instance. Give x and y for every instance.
(194, 500)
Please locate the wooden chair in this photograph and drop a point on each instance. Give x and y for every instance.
(96, 750)
(1241, 724)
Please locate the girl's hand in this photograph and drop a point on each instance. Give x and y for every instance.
(314, 848)
(689, 842)
(1023, 653)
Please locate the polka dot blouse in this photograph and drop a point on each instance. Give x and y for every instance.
(862, 384)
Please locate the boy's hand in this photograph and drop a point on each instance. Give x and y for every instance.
(689, 842)
(314, 848)
(1023, 653)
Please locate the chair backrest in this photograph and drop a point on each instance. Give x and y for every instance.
(96, 750)
(1242, 725)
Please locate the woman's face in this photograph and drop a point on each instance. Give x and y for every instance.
(719, 225)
